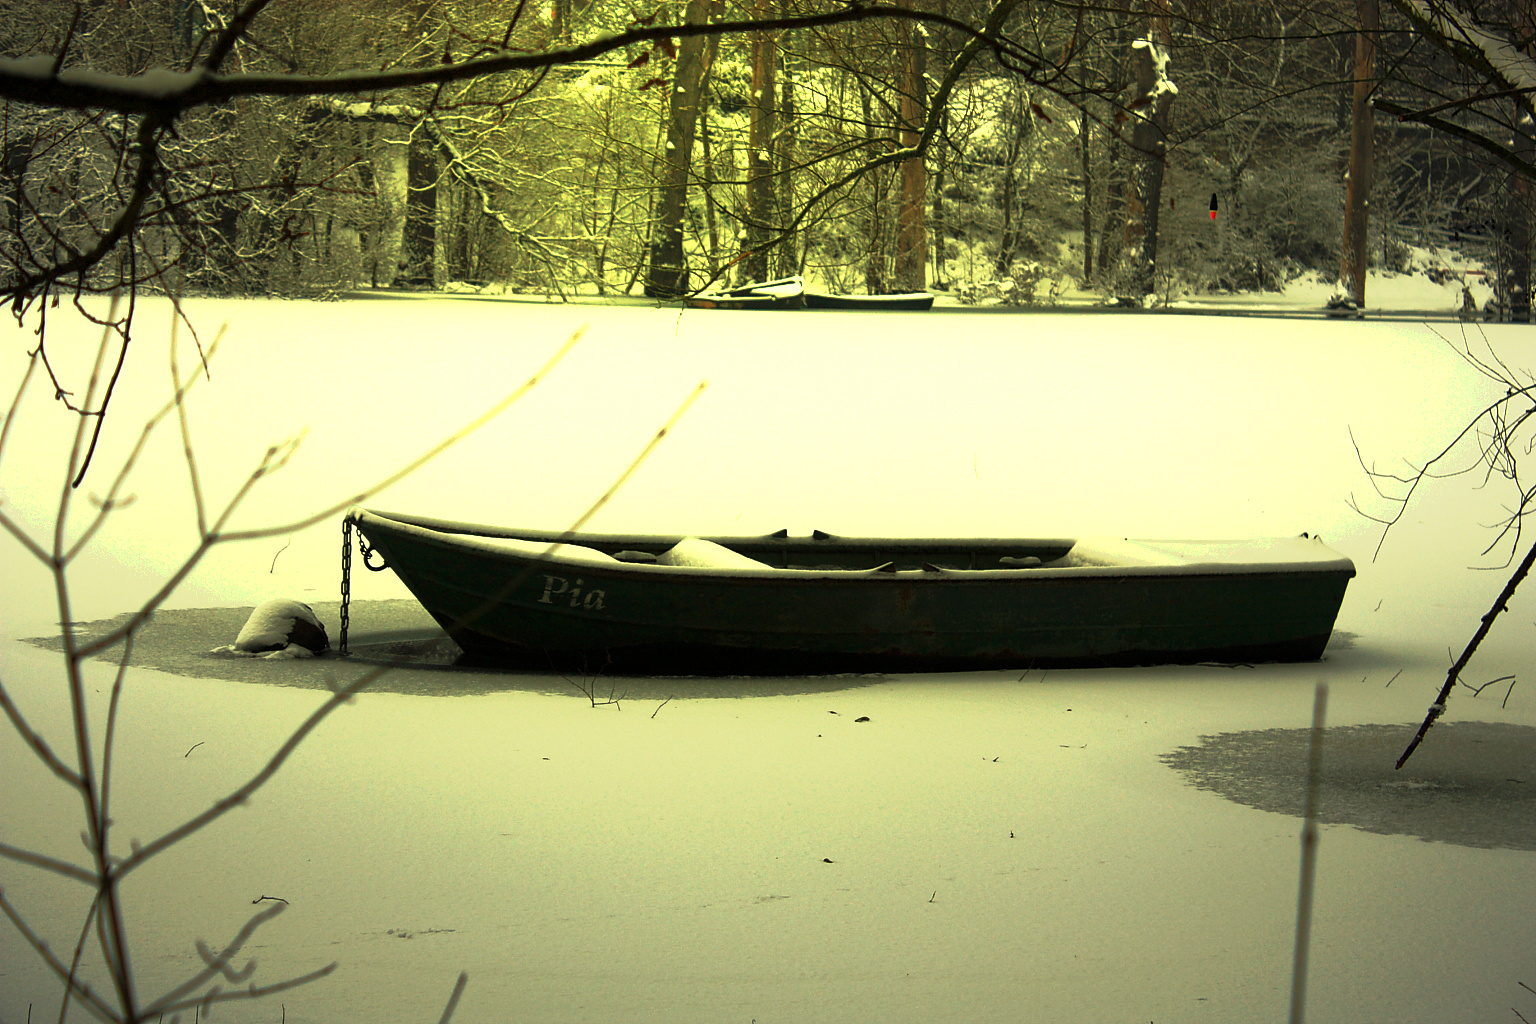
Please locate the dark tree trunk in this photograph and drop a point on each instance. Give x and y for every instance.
(420, 242)
(911, 229)
(762, 199)
(788, 261)
(940, 256)
(1516, 286)
(1517, 204)
(711, 216)
(1112, 173)
(1362, 158)
(1008, 199)
(874, 263)
(1085, 135)
(1112, 231)
(1149, 147)
(667, 273)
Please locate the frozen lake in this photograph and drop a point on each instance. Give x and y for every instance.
(987, 847)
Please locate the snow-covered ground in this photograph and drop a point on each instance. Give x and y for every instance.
(987, 847)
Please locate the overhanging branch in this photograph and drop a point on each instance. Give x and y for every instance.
(31, 79)
(1504, 154)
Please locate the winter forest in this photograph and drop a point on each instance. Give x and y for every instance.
(1000, 151)
(516, 205)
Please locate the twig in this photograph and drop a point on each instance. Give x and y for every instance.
(194, 747)
(39, 860)
(74, 963)
(81, 991)
(660, 706)
(453, 1000)
(1477, 690)
(217, 964)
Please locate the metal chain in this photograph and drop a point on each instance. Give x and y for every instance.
(346, 574)
(368, 553)
(346, 581)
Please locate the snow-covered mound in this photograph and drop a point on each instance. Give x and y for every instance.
(280, 628)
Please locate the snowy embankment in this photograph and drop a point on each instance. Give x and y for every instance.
(993, 846)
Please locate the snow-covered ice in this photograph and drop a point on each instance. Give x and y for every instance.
(985, 847)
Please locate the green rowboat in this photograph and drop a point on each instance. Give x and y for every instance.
(778, 605)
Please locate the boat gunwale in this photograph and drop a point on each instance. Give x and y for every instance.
(471, 538)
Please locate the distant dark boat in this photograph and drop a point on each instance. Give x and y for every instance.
(903, 301)
(779, 605)
(781, 293)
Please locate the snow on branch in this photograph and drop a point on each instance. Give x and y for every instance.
(1162, 85)
(1496, 56)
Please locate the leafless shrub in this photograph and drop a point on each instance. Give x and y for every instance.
(1498, 435)
(83, 760)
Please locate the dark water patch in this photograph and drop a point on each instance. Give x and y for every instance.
(1471, 783)
(401, 636)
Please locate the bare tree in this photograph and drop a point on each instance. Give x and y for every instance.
(1498, 436)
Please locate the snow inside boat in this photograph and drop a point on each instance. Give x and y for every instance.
(776, 604)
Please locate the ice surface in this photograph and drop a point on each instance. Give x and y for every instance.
(1003, 846)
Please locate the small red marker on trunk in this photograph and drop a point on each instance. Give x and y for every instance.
(1213, 206)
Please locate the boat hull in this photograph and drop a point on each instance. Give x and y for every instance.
(908, 302)
(512, 609)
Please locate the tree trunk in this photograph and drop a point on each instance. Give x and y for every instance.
(788, 261)
(1085, 135)
(667, 273)
(940, 255)
(711, 217)
(761, 197)
(911, 229)
(874, 263)
(1149, 145)
(1517, 202)
(1008, 200)
(1516, 286)
(1112, 174)
(1112, 230)
(420, 255)
(1362, 159)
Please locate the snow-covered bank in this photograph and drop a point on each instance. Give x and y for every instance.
(593, 864)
